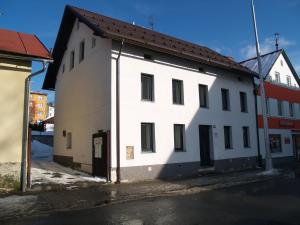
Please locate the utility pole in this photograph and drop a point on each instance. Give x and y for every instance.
(268, 159)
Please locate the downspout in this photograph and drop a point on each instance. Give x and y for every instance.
(26, 124)
(118, 112)
(259, 158)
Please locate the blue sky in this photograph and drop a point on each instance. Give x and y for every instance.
(222, 25)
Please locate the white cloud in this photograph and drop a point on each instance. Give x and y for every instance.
(268, 45)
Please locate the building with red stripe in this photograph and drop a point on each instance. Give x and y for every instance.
(282, 104)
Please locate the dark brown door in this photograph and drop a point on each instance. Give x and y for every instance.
(296, 145)
(100, 151)
(204, 136)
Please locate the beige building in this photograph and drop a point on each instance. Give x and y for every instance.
(17, 51)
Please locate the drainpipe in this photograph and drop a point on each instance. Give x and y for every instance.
(118, 111)
(259, 158)
(26, 124)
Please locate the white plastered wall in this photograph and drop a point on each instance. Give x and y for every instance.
(83, 96)
(165, 114)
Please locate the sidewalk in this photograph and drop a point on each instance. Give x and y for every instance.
(33, 203)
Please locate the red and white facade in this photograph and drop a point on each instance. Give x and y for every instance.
(283, 106)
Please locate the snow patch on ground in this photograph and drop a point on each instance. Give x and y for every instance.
(270, 172)
(16, 204)
(46, 133)
(45, 171)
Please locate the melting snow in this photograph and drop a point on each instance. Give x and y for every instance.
(45, 171)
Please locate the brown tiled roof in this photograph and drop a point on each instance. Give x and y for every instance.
(136, 35)
(17, 43)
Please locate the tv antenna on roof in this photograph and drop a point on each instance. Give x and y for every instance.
(151, 22)
(277, 41)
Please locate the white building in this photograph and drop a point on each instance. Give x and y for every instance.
(50, 111)
(181, 108)
(283, 105)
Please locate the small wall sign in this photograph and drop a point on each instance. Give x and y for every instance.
(129, 152)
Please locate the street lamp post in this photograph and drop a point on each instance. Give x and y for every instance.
(268, 158)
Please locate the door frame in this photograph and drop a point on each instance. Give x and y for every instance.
(106, 148)
(210, 162)
(295, 150)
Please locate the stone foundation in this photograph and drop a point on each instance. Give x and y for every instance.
(235, 164)
(164, 171)
(10, 174)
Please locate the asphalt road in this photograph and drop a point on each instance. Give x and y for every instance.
(274, 202)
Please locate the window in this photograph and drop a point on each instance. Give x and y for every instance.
(279, 106)
(225, 99)
(40, 98)
(289, 80)
(227, 137)
(268, 106)
(72, 58)
(93, 42)
(69, 140)
(179, 137)
(203, 96)
(243, 101)
(40, 105)
(291, 107)
(63, 68)
(147, 87)
(40, 113)
(81, 51)
(277, 77)
(147, 137)
(177, 86)
(275, 143)
(281, 62)
(246, 137)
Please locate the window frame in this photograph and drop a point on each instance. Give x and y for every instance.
(227, 99)
(230, 146)
(69, 140)
(182, 137)
(280, 143)
(246, 140)
(289, 80)
(93, 42)
(291, 109)
(81, 51)
(152, 138)
(181, 93)
(72, 60)
(151, 77)
(277, 77)
(280, 107)
(243, 102)
(206, 103)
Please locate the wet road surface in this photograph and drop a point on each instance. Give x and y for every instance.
(274, 202)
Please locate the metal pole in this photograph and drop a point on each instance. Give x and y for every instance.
(268, 160)
(118, 113)
(26, 126)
